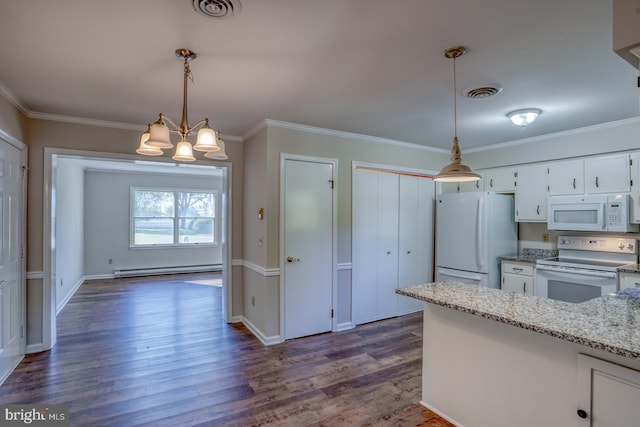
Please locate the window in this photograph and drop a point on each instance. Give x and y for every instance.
(172, 217)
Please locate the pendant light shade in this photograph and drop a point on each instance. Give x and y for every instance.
(455, 171)
(159, 135)
(220, 154)
(183, 152)
(206, 140)
(145, 149)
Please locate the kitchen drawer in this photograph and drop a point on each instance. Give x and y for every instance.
(517, 268)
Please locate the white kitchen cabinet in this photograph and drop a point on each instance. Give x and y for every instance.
(608, 394)
(472, 185)
(608, 174)
(518, 277)
(628, 280)
(565, 177)
(531, 193)
(500, 180)
(392, 241)
(634, 208)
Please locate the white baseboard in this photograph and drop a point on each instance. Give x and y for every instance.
(258, 334)
(236, 319)
(344, 326)
(99, 277)
(69, 295)
(35, 348)
(440, 414)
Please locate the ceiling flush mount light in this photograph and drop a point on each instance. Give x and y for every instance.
(524, 117)
(157, 136)
(455, 171)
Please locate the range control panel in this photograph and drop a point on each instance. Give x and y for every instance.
(601, 244)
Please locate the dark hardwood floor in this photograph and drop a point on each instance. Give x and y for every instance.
(155, 351)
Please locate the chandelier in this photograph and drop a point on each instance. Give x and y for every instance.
(455, 171)
(157, 136)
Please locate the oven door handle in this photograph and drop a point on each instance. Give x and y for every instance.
(606, 274)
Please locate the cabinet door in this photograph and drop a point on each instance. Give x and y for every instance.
(628, 280)
(634, 208)
(565, 177)
(608, 394)
(608, 174)
(472, 185)
(517, 283)
(449, 187)
(531, 194)
(500, 180)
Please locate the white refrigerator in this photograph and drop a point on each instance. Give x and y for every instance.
(473, 230)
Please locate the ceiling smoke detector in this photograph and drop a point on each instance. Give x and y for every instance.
(217, 9)
(482, 91)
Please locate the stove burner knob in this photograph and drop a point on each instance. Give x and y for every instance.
(630, 246)
(621, 246)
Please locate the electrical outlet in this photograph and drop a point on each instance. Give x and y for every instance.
(545, 237)
(110, 261)
(260, 241)
(253, 301)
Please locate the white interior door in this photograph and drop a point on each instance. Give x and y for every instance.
(308, 247)
(11, 301)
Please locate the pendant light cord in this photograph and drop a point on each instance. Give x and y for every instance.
(455, 107)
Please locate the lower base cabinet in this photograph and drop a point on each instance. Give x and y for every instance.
(608, 394)
(518, 277)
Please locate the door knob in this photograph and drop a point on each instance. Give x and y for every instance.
(2, 282)
(292, 259)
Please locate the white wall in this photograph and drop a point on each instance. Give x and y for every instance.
(69, 229)
(107, 217)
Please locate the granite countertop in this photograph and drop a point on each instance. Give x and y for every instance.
(609, 323)
(631, 268)
(531, 255)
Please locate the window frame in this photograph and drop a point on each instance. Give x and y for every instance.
(175, 218)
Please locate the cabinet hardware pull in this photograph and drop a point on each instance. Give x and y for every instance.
(538, 209)
(491, 183)
(388, 252)
(517, 269)
(597, 185)
(574, 183)
(524, 287)
(408, 252)
(582, 413)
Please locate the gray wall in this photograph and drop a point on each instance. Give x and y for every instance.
(107, 218)
(69, 230)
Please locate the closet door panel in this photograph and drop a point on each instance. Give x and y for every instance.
(387, 265)
(364, 256)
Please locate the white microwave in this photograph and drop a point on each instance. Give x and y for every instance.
(603, 212)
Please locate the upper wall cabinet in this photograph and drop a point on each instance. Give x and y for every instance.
(565, 177)
(608, 174)
(500, 180)
(531, 194)
(472, 185)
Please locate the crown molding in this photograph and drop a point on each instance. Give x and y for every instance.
(548, 136)
(13, 99)
(350, 135)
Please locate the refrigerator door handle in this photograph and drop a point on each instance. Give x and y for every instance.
(479, 235)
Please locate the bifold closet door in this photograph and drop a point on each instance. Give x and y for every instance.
(375, 245)
(415, 237)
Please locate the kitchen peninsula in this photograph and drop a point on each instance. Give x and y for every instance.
(499, 358)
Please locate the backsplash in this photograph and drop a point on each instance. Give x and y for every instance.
(539, 253)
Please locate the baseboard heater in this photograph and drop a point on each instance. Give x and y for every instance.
(132, 272)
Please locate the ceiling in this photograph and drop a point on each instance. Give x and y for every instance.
(372, 67)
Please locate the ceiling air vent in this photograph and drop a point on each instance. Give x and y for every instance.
(217, 9)
(482, 91)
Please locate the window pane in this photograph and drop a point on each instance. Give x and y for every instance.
(196, 204)
(153, 203)
(153, 231)
(195, 230)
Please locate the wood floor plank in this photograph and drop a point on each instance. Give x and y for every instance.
(156, 352)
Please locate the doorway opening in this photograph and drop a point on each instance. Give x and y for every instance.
(96, 190)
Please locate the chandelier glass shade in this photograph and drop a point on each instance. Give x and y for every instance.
(158, 134)
(455, 171)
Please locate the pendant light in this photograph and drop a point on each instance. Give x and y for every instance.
(157, 136)
(455, 171)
